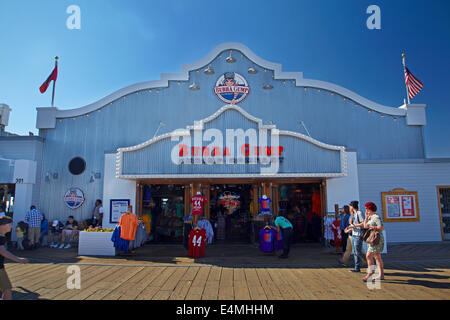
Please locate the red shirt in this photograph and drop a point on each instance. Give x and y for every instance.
(197, 204)
(197, 243)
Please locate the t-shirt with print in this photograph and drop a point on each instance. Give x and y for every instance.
(2, 258)
(265, 204)
(197, 204)
(267, 239)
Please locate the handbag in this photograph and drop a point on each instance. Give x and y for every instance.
(372, 237)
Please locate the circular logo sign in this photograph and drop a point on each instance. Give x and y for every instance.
(231, 88)
(74, 198)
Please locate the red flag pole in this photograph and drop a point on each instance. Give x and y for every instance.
(54, 82)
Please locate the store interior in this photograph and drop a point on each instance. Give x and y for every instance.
(232, 210)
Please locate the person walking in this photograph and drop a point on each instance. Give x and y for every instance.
(373, 222)
(287, 230)
(356, 223)
(34, 218)
(5, 283)
(345, 222)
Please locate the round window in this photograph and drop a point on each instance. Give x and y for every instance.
(77, 166)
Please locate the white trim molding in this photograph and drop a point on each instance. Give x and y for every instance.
(46, 118)
(199, 125)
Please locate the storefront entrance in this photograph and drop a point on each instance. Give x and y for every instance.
(230, 212)
(163, 211)
(232, 208)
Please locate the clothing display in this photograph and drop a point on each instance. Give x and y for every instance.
(279, 241)
(335, 226)
(221, 224)
(328, 232)
(147, 219)
(198, 202)
(180, 210)
(265, 204)
(119, 243)
(140, 238)
(316, 203)
(197, 243)
(128, 223)
(267, 237)
(205, 224)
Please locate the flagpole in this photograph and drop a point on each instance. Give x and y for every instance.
(54, 82)
(404, 68)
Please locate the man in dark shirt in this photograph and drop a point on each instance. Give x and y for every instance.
(5, 283)
(70, 230)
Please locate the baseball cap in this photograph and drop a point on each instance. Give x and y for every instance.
(55, 223)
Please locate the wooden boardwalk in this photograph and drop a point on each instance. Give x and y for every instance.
(404, 281)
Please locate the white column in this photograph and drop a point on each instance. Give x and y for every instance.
(114, 188)
(344, 189)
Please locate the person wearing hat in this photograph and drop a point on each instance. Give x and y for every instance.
(5, 284)
(373, 222)
(355, 236)
(55, 233)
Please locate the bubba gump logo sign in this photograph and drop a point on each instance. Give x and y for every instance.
(231, 88)
(74, 198)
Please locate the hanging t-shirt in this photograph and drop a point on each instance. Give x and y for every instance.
(265, 204)
(197, 243)
(198, 202)
(279, 241)
(267, 239)
(316, 203)
(128, 223)
(180, 210)
(335, 226)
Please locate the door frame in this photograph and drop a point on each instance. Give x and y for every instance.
(438, 189)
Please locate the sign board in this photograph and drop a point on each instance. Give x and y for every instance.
(400, 205)
(117, 208)
(74, 198)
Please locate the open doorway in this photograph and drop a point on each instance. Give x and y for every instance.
(302, 205)
(230, 212)
(163, 204)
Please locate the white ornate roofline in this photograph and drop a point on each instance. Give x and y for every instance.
(184, 76)
(199, 125)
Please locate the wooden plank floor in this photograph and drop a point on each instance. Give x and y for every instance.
(403, 281)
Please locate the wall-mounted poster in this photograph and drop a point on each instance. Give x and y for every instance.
(400, 205)
(117, 208)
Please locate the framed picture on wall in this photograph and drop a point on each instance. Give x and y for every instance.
(400, 205)
(117, 208)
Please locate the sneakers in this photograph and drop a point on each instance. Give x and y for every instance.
(68, 246)
(61, 246)
(353, 270)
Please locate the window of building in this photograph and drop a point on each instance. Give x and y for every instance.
(77, 166)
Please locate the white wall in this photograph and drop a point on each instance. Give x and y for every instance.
(343, 190)
(114, 188)
(420, 177)
(25, 174)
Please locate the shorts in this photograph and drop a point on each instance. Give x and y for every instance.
(68, 232)
(5, 283)
(34, 234)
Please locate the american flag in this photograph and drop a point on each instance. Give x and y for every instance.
(412, 84)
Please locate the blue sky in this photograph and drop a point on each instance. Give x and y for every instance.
(124, 42)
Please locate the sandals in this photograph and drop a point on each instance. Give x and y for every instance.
(367, 277)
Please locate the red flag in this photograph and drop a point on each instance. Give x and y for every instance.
(51, 77)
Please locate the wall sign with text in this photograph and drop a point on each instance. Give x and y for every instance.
(400, 205)
(117, 208)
